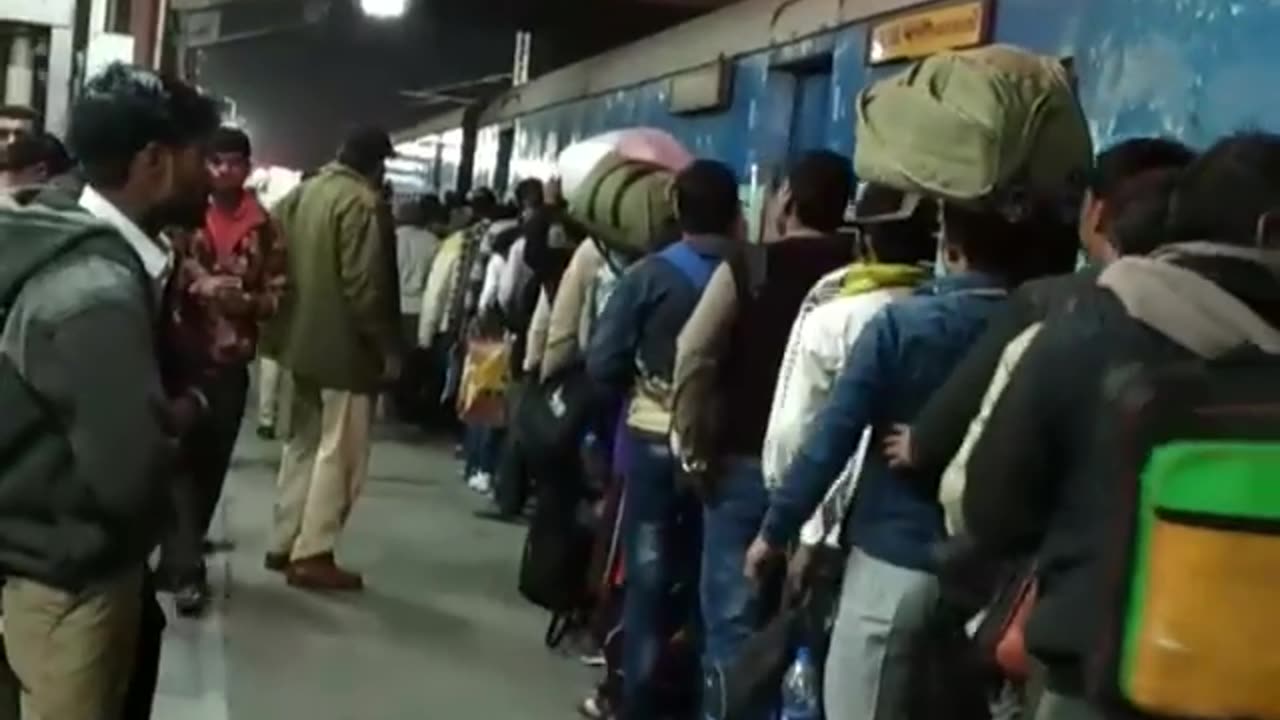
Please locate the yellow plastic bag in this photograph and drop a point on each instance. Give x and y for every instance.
(486, 373)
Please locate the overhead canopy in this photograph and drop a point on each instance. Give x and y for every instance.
(203, 23)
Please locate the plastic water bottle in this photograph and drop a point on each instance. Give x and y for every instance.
(800, 689)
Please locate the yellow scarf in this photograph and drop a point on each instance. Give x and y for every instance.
(865, 277)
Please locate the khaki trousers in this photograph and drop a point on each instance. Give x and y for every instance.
(325, 463)
(275, 391)
(73, 653)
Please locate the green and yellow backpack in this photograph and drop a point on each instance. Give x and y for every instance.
(1192, 571)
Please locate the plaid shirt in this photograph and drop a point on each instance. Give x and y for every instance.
(218, 300)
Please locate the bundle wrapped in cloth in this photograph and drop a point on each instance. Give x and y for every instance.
(619, 188)
(987, 128)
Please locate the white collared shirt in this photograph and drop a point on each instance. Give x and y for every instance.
(156, 253)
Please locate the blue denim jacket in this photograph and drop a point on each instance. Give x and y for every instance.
(642, 319)
(903, 355)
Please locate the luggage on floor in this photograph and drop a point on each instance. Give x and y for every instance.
(1195, 584)
(557, 554)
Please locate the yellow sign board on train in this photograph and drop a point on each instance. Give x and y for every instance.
(919, 33)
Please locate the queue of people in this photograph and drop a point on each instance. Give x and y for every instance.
(878, 429)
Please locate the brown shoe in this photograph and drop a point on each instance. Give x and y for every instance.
(276, 562)
(322, 573)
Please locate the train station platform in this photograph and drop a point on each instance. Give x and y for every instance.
(439, 632)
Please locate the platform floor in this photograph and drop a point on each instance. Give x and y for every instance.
(439, 633)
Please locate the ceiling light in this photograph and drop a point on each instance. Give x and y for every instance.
(383, 9)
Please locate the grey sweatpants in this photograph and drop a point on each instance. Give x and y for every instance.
(883, 609)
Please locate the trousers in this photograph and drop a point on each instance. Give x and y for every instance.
(324, 466)
(883, 611)
(732, 607)
(73, 652)
(205, 458)
(275, 391)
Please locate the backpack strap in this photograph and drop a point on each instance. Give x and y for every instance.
(696, 267)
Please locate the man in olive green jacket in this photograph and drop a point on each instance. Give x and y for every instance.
(336, 338)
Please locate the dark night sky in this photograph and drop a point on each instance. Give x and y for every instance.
(299, 92)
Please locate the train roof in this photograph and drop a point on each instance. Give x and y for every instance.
(735, 30)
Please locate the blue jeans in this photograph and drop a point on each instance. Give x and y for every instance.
(481, 446)
(731, 604)
(660, 549)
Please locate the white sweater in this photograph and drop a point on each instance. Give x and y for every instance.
(827, 326)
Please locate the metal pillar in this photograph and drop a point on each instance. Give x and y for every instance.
(524, 48)
(39, 28)
(60, 70)
(100, 16)
(146, 25)
(20, 71)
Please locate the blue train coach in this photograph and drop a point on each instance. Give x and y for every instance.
(760, 80)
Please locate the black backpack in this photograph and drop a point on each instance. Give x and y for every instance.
(554, 568)
(552, 416)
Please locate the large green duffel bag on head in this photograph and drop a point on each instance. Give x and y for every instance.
(975, 125)
(627, 206)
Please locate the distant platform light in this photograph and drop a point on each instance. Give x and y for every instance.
(387, 9)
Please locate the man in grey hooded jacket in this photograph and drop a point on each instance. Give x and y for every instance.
(87, 431)
(1034, 484)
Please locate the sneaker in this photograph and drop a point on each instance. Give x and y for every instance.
(481, 482)
(192, 599)
(595, 659)
(594, 707)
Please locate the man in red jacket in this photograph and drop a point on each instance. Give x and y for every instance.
(229, 279)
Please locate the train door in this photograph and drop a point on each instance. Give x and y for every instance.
(810, 105)
(796, 119)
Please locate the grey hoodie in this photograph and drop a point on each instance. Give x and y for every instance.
(83, 433)
(1188, 308)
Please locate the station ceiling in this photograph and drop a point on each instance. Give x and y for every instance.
(325, 59)
(236, 17)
